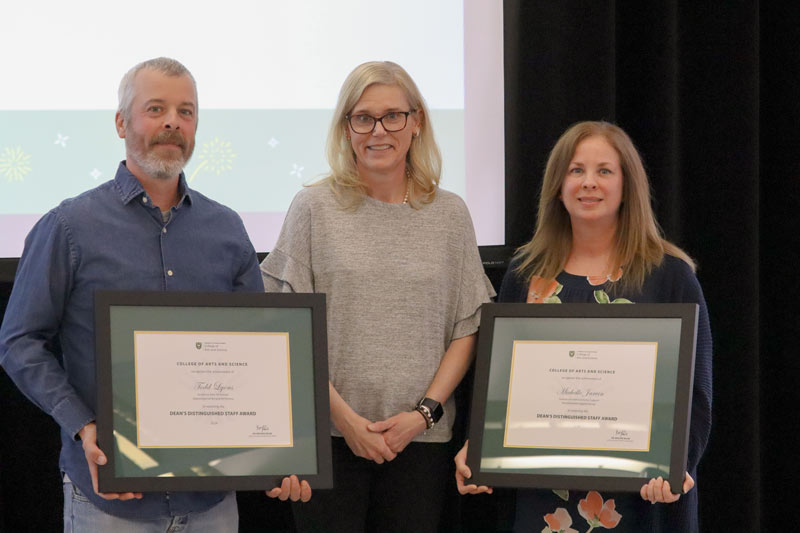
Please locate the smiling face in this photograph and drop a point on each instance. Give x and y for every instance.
(381, 152)
(592, 189)
(159, 127)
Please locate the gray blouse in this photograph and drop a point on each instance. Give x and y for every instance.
(401, 284)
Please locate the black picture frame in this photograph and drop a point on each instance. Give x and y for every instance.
(303, 316)
(580, 323)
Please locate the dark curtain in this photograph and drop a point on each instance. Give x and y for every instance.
(709, 92)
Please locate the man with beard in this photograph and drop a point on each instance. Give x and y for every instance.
(143, 230)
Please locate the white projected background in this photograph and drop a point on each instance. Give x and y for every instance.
(268, 75)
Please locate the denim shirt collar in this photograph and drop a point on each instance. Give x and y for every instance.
(129, 187)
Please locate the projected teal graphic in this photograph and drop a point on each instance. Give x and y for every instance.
(215, 156)
(14, 163)
(250, 160)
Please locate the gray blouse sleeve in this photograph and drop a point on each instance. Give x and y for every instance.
(476, 289)
(287, 268)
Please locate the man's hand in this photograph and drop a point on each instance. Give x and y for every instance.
(291, 489)
(400, 429)
(94, 457)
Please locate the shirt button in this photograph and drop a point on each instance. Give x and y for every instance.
(144, 199)
(169, 272)
(164, 230)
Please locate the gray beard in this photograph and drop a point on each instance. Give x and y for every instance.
(160, 169)
(155, 167)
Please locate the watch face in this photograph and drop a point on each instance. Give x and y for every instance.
(434, 407)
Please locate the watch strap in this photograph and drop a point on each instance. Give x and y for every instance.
(433, 409)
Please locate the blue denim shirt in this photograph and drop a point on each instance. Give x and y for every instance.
(111, 237)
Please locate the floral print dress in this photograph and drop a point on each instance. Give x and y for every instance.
(562, 511)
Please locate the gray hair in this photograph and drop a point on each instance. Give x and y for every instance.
(165, 65)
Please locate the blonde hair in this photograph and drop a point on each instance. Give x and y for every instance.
(639, 246)
(423, 161)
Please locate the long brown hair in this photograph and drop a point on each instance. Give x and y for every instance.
(640, 245)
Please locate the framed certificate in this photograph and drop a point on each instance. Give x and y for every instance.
(211, 391)
(582, 396)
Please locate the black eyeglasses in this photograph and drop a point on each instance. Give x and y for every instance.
(391, 121)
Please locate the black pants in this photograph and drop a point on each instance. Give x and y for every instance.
(403, 495)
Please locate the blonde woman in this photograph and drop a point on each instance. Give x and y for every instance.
(597, 240)
(397, 258)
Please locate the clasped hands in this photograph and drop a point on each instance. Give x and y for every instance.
(291, 488)
(383, 440)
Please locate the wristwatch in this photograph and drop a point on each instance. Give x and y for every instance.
(431, 410)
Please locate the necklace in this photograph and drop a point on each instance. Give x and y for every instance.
(408, 188)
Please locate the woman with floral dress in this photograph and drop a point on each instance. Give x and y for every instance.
(597, 241)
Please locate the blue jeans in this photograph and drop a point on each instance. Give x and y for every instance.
(81, 516)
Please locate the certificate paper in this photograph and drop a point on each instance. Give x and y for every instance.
(207, 389)
(581, 395)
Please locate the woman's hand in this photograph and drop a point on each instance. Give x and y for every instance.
(463, 472)
(353, 427)
(363, 442)
(658, 490)
(400, 429)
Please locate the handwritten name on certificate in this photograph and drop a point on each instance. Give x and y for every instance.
(581, 395)
(212, 390)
